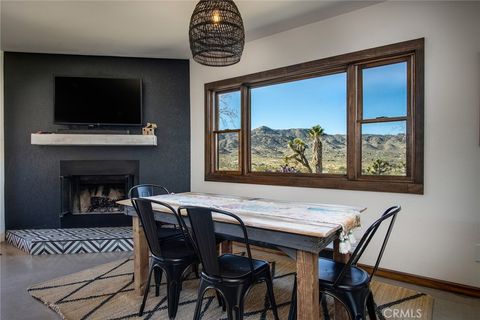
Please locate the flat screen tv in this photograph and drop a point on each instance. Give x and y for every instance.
(98, 101)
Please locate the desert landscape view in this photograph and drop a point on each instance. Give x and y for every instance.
(382, 154)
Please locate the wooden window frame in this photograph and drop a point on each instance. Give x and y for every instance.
(216, 131)
(352, 63)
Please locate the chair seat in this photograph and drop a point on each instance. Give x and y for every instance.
(329, 271)
(235, 266)
(176, 250)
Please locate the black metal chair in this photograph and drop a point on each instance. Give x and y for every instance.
(146, 190)
(173, 256)
(230, 275)
(347, 282)
(166, 230)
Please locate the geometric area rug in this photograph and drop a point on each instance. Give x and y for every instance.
(106, 292)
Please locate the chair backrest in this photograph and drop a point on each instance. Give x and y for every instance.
(390, 213)
(202, 234)
(145, 213)
(146, 190)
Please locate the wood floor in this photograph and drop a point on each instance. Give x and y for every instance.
(20, 270)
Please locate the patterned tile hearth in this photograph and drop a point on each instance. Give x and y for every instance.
(70, 241)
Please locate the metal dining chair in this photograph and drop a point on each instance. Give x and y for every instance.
(166, 230)
(347, 282)
(174, 257)
(230, 275)
(146, 190)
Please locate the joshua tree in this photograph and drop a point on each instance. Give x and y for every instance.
(316, 132)
(379, 167)
(299, 147)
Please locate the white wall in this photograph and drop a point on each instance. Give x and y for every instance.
(436, 233)
(2, 163)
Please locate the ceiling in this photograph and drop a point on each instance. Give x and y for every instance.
(141, 28)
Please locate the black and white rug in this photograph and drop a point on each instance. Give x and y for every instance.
(106, 292)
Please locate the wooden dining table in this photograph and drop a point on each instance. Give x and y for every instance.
(299, 229)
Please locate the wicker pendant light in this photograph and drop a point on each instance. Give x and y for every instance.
(216, 33)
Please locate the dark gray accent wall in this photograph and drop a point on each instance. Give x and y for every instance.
(32, 188)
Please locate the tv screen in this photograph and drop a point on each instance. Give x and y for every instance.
(97, 101)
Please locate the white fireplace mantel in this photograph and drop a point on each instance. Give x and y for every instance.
(55, 139)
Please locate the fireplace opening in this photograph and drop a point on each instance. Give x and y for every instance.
(94, 194)
(90, 189)
(98, 194)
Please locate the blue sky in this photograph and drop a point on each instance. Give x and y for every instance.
(302, 104)
(322, 100)
(385, 91)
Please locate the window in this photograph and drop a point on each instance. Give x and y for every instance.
(383, 105)
(308, 115)
(227, 131)
(353, 121)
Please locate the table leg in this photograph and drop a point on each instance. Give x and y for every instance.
(140, 256)
(308, 305)
(227, 246)
(337, 256)
(340, 312)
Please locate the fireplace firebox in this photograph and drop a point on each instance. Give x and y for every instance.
(93, 194)
(90, 190)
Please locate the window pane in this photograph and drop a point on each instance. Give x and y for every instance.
(384, 148)
(300, 126)
(228, 110)
(227, 151)
(385, 91)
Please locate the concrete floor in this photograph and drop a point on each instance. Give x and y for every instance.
(447, 306)
(19, 271)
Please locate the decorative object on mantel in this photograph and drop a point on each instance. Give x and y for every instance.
(216, 33)
(149, 129)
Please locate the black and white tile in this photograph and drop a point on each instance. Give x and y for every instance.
(70, 241)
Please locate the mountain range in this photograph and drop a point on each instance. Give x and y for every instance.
(270, 146)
